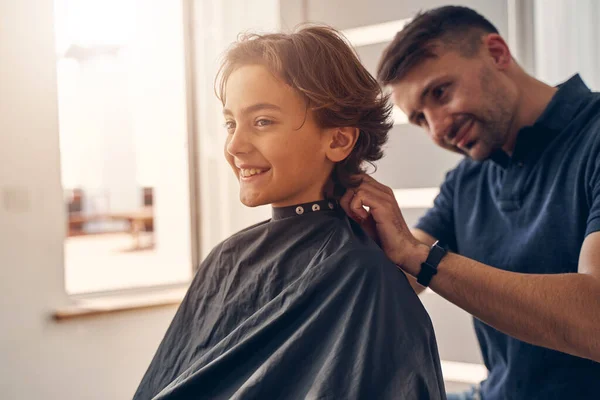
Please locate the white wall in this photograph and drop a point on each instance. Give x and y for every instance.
(99, 358)
(566, 41)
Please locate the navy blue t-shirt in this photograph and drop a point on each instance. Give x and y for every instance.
(529, 213)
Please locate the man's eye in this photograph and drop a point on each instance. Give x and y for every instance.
(264, 122)
(439, 91)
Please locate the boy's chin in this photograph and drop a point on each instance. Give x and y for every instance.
(253, 201)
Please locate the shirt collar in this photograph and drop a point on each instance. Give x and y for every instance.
(304, 209)
(564, 105)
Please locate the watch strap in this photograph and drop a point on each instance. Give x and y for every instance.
(429, 267)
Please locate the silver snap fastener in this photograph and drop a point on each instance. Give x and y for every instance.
(316, 207)
(330, 206)
(299, 210)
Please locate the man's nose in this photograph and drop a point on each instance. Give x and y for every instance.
(439, 124)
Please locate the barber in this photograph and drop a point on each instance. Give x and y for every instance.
(513, 237)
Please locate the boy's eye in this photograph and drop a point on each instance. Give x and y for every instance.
(264, 122)
(229, 125)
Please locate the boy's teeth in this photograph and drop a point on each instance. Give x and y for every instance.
(251, 172)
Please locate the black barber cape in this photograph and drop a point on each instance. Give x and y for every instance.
(303, 306)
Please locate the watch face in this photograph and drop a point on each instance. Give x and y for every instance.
(435, 255)
(442, 245)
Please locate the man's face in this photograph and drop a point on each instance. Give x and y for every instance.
(464, 104)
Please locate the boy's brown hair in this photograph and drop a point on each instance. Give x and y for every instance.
(318, 63)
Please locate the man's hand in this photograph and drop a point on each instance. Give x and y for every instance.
(383, 221)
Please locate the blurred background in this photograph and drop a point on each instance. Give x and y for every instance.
(113, 185)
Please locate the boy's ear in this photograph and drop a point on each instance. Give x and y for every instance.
(341, 142)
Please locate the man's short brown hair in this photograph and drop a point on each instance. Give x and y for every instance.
(318, 63)
(449, 28)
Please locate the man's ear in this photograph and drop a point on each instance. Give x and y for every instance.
(341, 141)
(498, 50)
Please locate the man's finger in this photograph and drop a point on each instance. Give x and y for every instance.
(372, 195)
(368, 197)
(353, 209)
(370, 183)
(345, 202)
(356, 207)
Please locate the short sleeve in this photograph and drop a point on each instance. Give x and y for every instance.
(593, 221)
(438, 221)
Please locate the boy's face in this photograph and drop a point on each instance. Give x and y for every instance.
(274, 145)
(464, 104)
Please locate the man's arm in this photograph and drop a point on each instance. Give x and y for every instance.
(560, 311)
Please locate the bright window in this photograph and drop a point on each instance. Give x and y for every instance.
(124, 144)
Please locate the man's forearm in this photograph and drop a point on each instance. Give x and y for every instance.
(559, 311)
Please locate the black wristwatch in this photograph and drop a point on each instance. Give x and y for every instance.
(429, 267)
